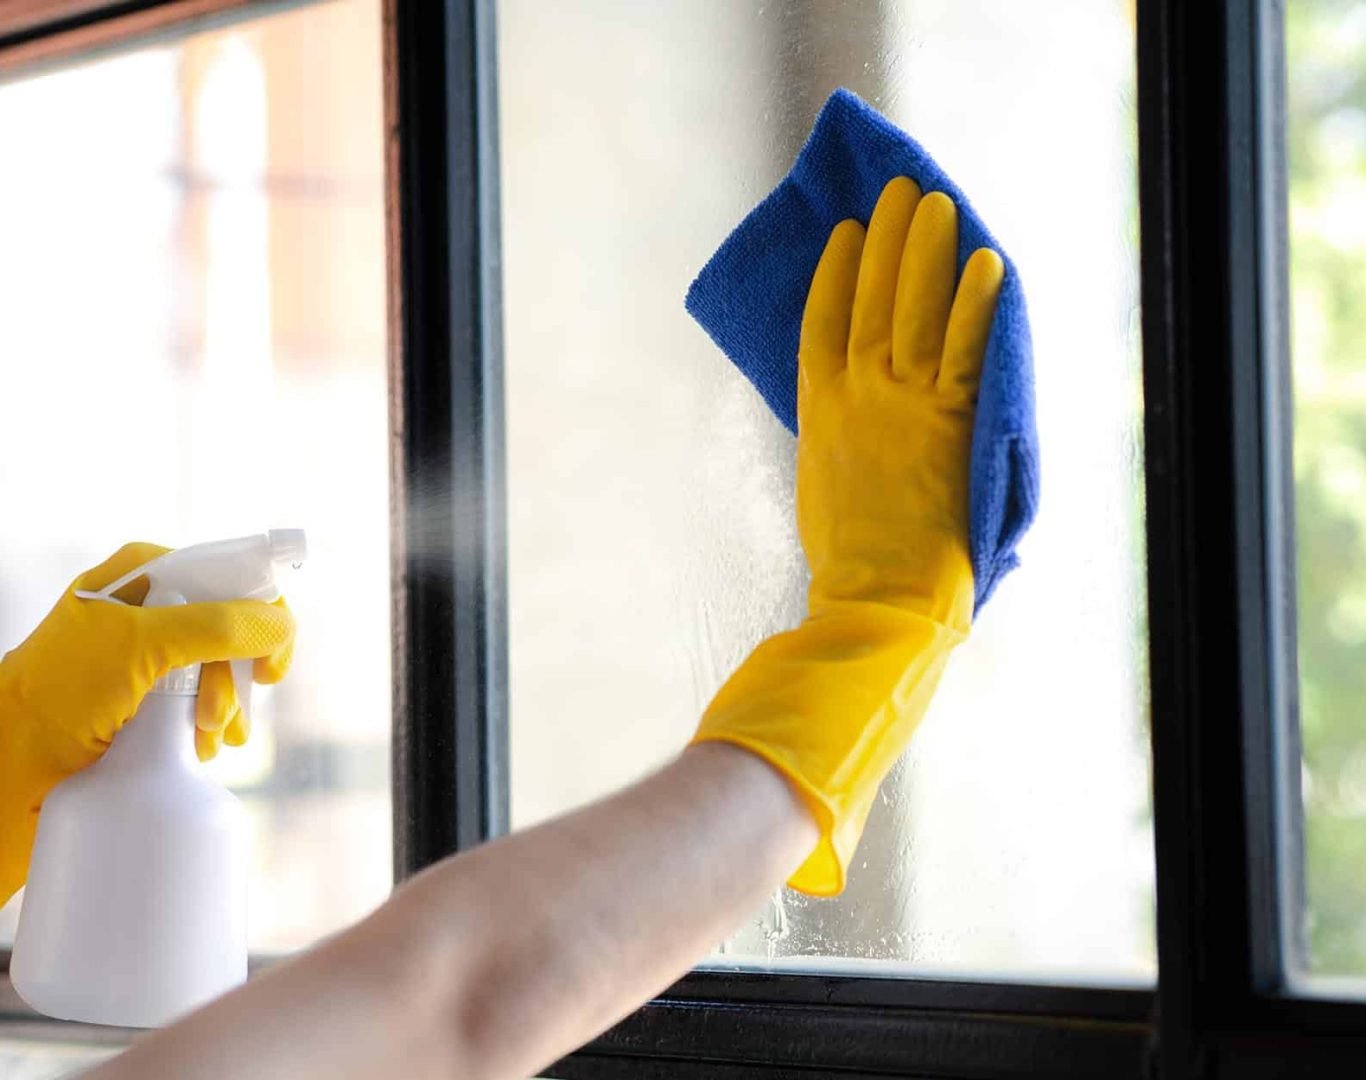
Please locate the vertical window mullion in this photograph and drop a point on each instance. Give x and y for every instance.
(449, 746)
(1208, 316)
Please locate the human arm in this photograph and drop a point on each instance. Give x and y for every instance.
(497, 962)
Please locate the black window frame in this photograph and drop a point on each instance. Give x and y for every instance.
(1219, 521)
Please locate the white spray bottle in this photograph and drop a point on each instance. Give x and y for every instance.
(135, 907)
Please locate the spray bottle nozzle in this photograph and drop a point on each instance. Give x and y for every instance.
(240, 569)
(288, 546)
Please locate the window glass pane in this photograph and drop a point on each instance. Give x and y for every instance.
(193, 347)
(1325, 45)
(650, 492)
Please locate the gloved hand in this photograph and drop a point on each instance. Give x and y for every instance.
(66, 691)
(889, 362)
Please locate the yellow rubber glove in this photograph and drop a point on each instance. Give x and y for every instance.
(889, 362)
(66, 691)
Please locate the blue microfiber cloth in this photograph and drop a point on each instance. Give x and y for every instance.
(749, 298)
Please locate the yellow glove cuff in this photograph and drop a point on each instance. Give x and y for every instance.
(831, 705)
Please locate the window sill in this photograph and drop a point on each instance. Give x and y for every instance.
(19, 1022)
(757, 1025)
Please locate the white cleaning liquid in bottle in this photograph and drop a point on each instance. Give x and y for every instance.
(135, 907)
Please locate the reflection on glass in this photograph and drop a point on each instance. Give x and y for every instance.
(193, 347)
(1326, 164)
(650, 492)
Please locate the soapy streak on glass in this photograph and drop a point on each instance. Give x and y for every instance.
(194, 276)
(650, 492)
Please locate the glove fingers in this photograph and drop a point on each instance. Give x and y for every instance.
(218, 717)
(129, 557)
(965, 344)
(275, 666)
(217, 701)
(925, 290)
(830, 305)
(212, 634)
(870, 335)
(229, 630)
(238, 729)
(207, 744)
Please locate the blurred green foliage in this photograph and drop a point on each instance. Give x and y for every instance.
(1326, 147)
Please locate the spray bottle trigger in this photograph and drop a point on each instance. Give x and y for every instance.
(241, 682)
(107, 593)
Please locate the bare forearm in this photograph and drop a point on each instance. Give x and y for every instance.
(495, 963)
(610, 905)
